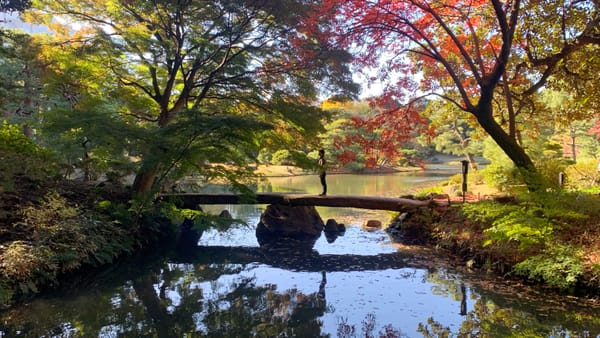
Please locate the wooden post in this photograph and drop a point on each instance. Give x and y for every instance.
(465, 171)
(561, 179)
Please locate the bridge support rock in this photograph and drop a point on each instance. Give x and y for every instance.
(289, 221)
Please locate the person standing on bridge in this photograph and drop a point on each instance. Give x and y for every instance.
(322, 171)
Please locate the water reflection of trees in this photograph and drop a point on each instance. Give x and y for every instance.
(171, 302)
(207, 296)
(493, 315)
(262, 311)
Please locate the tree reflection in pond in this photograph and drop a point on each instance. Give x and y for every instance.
(493, 315)
(489, 320)
(265, 292)
(261, 311)
(173, 302)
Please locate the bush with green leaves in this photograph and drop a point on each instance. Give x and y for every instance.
(535, 223)
(454, 182)
(502, 176)
(559, 266)
(56, 237)
(264, 156)
(583, 175)
(282, 157)
(427, 191)
(530, 221)
(501, 173)
(550, 168)
(20, 155)
(202, 221)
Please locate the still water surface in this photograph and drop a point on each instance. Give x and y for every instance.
(359, 285)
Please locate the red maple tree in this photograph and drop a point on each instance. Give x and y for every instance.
(465, 52)
(381, 137)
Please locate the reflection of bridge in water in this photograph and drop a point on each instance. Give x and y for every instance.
(292, 257)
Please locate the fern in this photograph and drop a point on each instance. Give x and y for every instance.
(529, 222)
(520, 225)
(560, 266)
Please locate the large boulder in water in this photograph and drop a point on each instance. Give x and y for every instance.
(289, 221)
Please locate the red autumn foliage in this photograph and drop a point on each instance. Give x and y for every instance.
(381, 137)
(451, 49)
(595, 130)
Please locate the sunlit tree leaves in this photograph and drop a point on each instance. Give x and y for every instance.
(161, 59)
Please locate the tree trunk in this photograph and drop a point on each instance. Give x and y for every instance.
(510, 147)
(471, 159)
(512, 124)
(146, 176)
(144, 180)
(155, 309)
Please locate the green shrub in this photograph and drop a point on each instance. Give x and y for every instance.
(522, 224)
(531, 221)
(264, 156)
(19, 155)
(583, 175)
(118, 213)
(202, 221)
(501, 173)
(550, 168)
(485, 211)
(282, 157)
(454, 182)
(56, 237)
(502, 176)
(59, 228)
(559, 266)
(424, 192)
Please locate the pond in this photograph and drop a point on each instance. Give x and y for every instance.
(359, 285)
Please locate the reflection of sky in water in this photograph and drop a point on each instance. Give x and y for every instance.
(400, 297)
(355, 241)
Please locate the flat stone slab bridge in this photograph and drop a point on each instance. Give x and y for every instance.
(193, 200)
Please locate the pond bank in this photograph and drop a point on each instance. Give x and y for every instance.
(51, 230)
(573, 270)
(284, 171)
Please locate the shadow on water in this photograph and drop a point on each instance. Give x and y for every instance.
(292, 258)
